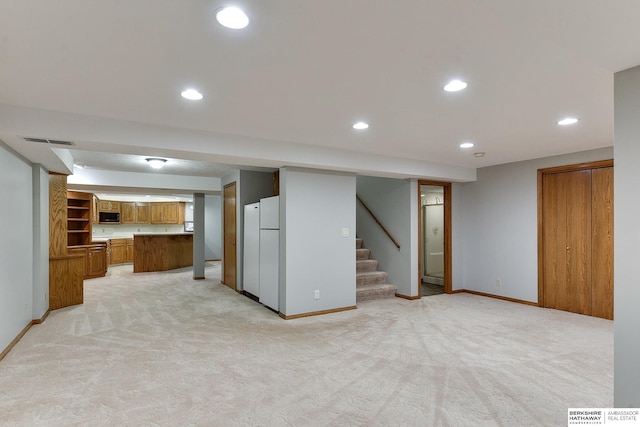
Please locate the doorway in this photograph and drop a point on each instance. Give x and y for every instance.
(229, 233)
(434, 201)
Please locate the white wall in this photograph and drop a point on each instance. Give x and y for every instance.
(16, 246)
(500, 226)
(627, 238)
(314, 207)
(212, 227)
(40, 241)
(395, 203)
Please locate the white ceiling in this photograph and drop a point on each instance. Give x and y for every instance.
(302, 72)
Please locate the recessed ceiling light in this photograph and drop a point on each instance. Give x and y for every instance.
(361, 125)
(156, 163)
(192, 95)
(466, 145)
(232, 17)
(455, 86)
(568, 121)
(479, 154)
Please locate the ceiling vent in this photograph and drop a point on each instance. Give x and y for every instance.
(48, 141)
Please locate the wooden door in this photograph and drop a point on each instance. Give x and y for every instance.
(575, 249)
(578, 241)
(554, 236)
(602, 243)
(567, 233)
(229, 231)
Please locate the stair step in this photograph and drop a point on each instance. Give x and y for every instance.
(363, 253)
(375, 291)
(358, 243)
(366, 265)
(371, 277)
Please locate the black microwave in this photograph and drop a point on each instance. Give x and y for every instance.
(108, 217)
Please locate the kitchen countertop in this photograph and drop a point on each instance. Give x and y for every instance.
(104, 239)
(162, 234)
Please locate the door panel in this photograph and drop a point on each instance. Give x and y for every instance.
(602, 243)
(229, 230)
(578, 241)
(554, 232)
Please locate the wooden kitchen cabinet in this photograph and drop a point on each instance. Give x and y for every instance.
(129, 250)
(167, 213)
(95, 259)
(134, 213)
(117, 251)
(127, 212)
(108, 206)
(143, 213)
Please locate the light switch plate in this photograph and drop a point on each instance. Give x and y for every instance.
(345, 232)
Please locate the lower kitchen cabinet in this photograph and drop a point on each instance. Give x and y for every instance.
(129, 251)
(95, 259)
(120, 251)
(117, 251)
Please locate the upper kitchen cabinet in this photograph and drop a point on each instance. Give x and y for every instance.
(127, 212)
(143, 214)
(167, 213)
(134, 212)
(108, 206)
(78, 218)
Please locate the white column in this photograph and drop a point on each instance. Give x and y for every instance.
(626, 374)
(198, 236)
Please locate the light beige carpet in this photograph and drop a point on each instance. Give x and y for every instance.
(163, 349)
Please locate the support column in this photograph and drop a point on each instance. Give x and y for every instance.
(198, 236)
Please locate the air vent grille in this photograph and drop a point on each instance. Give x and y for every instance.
(44, 141)
(48, 141)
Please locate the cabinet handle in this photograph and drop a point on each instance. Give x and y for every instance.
(568, 248)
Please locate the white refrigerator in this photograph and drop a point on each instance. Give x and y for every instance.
(269, 257)
(251, 259)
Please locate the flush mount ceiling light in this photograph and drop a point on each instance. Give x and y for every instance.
(192, 95)
(361, 126)
(568, 121)
(466, 145)
(455, 86)
(479, 154)
(232, 17)
(155, 162)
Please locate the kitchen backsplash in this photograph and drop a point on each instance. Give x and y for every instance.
(128, 230)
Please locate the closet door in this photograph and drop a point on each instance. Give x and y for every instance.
(576, 238)
(554, 241)
(578, 241)
(602, 243)
(567, 241)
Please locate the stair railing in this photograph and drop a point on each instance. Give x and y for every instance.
(395, 242)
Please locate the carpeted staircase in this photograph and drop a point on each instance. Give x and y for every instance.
(370, 283)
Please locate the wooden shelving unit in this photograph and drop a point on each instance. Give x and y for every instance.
(78, 218)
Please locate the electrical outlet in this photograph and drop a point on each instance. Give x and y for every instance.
(498, 282)
(316, 294)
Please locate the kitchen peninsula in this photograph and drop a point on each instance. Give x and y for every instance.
(161, 252)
